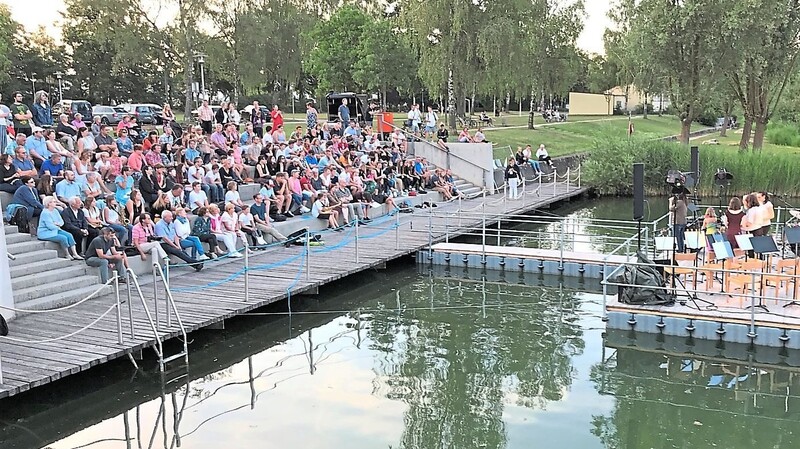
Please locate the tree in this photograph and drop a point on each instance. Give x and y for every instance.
(678, 42)
(333, 49)
(384, 59)
(763, 48)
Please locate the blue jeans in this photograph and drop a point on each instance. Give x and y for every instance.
(63, 238)
(677, 232)
(193, 243)
(535, 165)
(121, 232)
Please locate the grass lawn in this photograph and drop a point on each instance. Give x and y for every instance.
(732, 142)
(576, 135)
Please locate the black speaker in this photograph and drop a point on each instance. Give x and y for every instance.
(695, 167)
(638, 191)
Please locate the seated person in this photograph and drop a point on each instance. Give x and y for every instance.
(201, 228)
(75, 223)
(9, 177)
(49, 229)
(28, 196)
(322, 210)
(54, 166)
(260, 213)
(68, 188)
(171, 243)
(102, 253)
(541, 155)
(143, 237)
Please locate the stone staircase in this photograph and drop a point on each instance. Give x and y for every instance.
(41, 279)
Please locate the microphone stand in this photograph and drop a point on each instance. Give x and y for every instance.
(784, 219)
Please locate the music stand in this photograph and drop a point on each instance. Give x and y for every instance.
(766, 246)
(724, 251)
(743, 240)
(693, 239)
(668, 244)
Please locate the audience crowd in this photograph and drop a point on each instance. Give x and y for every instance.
(102, 192)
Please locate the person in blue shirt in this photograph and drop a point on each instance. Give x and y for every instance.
(124, 183)
(124, 143)
(23, 163)
(36, 145)
(17, 142)
(171, 243)
(344, 112)
(68, 188)
(190, 153)
(41, 110)
(247, 136)
(54, 166)
(311, 160)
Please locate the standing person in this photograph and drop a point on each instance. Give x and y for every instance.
(710, 227)
(414, 118)
(311, 116)
(206, 116)
(257, 119)
(21, 115)
(277, 116)
(512, 178)
(102, 253)
(343, 113)
(233, 115)
(221, 116)
(5, 120)
(753, 222)
(430, 123)
(167, 116)
(767, 211)
(678, 208)
(733, 221)
(41, 110)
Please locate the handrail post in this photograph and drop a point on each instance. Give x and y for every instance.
(155, 293)
(561, 249)
(308, 255)
(1, 369)
(580, 172)
(397, 231)
(483, 233)
(605, 289)
(166, 295)
(459, 211)
(430, 233)
(246, 274)
(119, 305)
(567, 179)
(446, 228)
(131, 276)
(357, 223)
(752, 334)
(555, 181)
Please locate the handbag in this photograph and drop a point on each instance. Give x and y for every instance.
(3, 326)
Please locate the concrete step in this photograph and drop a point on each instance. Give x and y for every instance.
(34, 256)
(52, 288)
(61, 299)
(25, 246)
(470, 190)
(40, 267)
(17, 238)
(53, 275)
(11, 229)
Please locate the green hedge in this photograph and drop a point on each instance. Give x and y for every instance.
(783, 133)
(609, 168)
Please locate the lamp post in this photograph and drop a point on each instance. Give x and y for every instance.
(33, 84)
(59, 76)
(201, 61)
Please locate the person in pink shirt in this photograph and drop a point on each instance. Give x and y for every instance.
(136, 160)
(124, 124)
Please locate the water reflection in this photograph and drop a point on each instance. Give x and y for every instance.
(456, 359)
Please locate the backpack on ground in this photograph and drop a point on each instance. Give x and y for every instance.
(20, 218)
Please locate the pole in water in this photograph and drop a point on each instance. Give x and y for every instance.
(246, 273)
(119, 305)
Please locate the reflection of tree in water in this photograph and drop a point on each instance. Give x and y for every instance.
(456, 367)
(667, 402)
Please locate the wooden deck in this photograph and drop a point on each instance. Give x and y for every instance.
(26, 365)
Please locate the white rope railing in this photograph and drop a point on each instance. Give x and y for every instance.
(61, 309)
(71, 334)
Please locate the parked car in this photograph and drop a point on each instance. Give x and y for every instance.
(157, 112)
(72, 107)
(143, 113)
(109, 115)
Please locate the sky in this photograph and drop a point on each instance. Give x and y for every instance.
(32, 13)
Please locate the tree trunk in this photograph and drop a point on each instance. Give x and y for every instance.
(187, 86)
(451, 100)
(758, 136)
(726, 122)
(747, 129)
(645, 106)
(686, 128)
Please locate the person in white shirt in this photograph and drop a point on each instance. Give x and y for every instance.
(541, 155)
(479, 137)
(247, 225)
(231, 230)
(430, 123)
(214, 183)
(399, 140)
(197, 197)
(232, 196)
(414, 118)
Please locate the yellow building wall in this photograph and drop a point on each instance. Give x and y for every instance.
(589, 104)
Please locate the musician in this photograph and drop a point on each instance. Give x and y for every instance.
(678, 208)
(732, 218)
(767, 211)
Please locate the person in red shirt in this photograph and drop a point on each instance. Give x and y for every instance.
(277, 116)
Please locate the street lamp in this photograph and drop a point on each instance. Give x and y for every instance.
(33, 84)
(201, 60)
(59, 75)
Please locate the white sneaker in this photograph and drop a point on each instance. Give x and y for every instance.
(202, 257)
(304, 209)
(235, 255)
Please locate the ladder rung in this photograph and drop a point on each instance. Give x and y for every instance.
(174, 357)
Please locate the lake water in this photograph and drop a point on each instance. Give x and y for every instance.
(407, 358)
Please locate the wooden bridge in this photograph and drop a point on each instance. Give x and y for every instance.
(36, 352)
